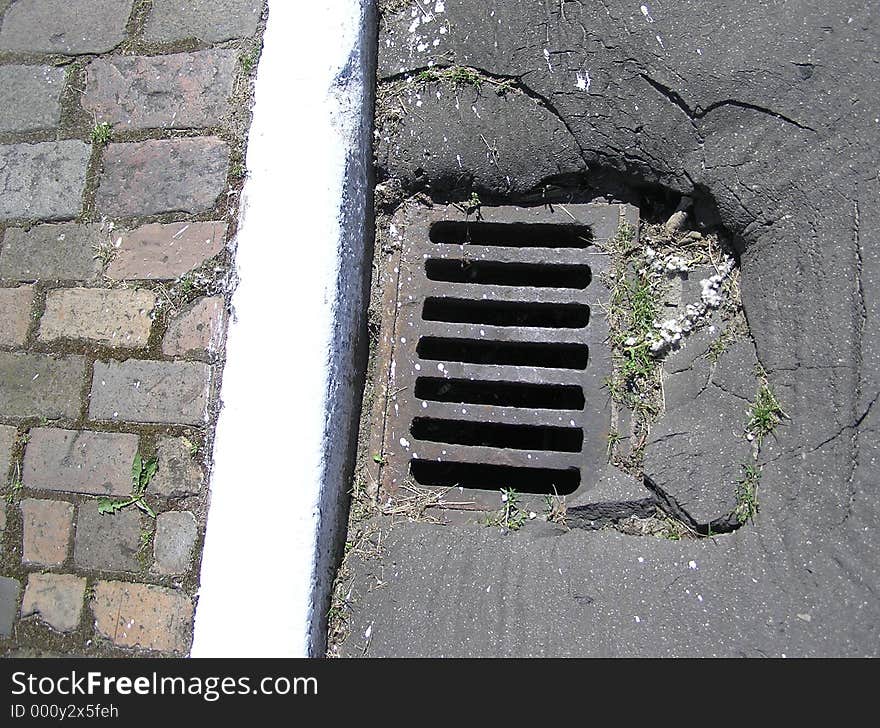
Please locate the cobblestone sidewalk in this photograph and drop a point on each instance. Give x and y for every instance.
(122, 137)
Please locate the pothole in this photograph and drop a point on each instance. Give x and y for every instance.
(521, 359)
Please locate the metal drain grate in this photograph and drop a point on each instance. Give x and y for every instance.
(494, 349)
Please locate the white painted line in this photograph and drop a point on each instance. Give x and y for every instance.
(271, 473)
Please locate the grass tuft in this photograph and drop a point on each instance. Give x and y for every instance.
(747, 494)
(765, 413)
(102, 132)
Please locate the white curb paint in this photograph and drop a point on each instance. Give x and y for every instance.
(290, 392)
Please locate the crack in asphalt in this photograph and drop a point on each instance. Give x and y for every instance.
(727, 391)
(855, 425)
(857, 351)
(699, 113)
(517, 83)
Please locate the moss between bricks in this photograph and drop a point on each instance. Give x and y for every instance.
(31, 637)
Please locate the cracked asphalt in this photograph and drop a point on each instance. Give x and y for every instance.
(768, 115)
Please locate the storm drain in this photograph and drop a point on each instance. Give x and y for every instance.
(494, 349)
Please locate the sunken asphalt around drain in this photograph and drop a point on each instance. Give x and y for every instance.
(530, 103)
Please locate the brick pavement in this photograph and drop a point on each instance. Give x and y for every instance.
(114, 271)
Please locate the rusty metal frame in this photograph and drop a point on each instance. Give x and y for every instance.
(404, 286)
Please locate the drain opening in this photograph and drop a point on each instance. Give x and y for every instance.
(480, 351)
(506, 313)
(533, 275)
(493, 477)
(512, 235)
(500, 394)
(496, 434)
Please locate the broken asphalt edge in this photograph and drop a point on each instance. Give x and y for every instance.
(285, 442)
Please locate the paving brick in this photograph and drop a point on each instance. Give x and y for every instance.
(150, 391)
(7, 440)
(107, 541)
(166, 251)
(77, 461)
(165, 175)
(179, 475)
(173, 544)
(119, 317)
(47, 526)
(185, 90)
(56, 598)
(41, 385)
(197, 329)
(2, 515)
(42, 181)
(65, 251)
(9, 591)
(30, 97)
(143, 615)
(208, 20)
(64, 26)
(15, 305)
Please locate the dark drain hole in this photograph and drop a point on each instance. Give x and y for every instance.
(501, 394)
(512, 353)
(504, 313)
(514, 235)
(508, 274)
(495, 434)
(544, 481)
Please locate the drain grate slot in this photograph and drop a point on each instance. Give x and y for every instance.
(500, 394)
(479, 351)
(512, 235)
(507, 313)
(486, 476)
(496, 434)
(533, 275)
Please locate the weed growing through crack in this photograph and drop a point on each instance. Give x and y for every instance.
(212, 278)
(191, 447)
(14, 488)
(511, 516)
(660, 525)
(142, 472)
(631, 314)
(555, 508)
(747, 494)
(623, 242)
(104, 252)
(464, 76)
(102, 132)
(249, 60)
(765, 413)
(643, 268)
(642, 284)
(636, 303)
(614, 439)
(471, 205)
(144, 546)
